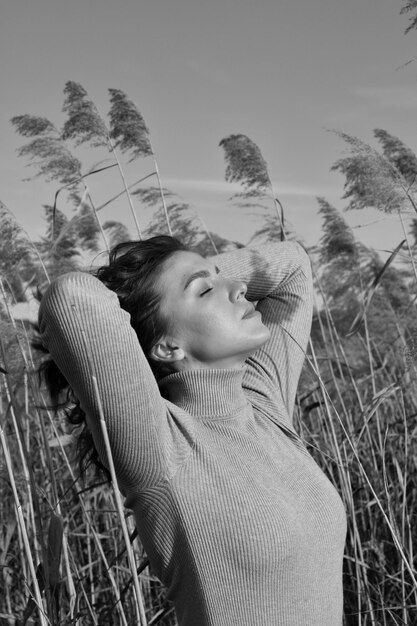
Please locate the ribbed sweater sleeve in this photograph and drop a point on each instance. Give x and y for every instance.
(278, 276)
(87, 333)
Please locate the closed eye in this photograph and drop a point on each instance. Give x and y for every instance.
(203, 293)
(200, 274)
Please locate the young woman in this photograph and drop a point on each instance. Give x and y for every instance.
(197, 387)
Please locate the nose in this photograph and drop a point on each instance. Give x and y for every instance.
(239, 290)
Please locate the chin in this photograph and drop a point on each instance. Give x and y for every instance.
(265, 334)
(262, 340)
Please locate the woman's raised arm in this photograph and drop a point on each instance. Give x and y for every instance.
(87, 333)
(278, 276)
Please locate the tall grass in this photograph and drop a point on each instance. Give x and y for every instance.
(360, 424)
(70, 554)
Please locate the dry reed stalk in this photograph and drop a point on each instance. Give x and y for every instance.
(21, 551)
(122, 176)
(22, 527)
(277, 205)
(103, 234)
(30, 479)
(378, 502)
(72, 594)
(373, 378)
(24, 451)
(160, 614)
(139, 606)
(392, 528)
(34, 500)
(67, 227)
(108, 570)
(87, 601)
(139, 601)
(90, 525)
(22, 445)
(69, 578)
(407, 239)
(126, 186)
(205, 229)
(359, 563)
(161, 191)
(104, 134)
(70, 583)
(27, 481)
(121, 193)
(280, 214)
(330, 363)
(339, 343)
(330, 421)
(90, 566)
(406, 518)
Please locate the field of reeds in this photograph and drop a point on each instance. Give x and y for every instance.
(69, 551)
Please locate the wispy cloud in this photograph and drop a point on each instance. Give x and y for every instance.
(223, 187)
(213, 186)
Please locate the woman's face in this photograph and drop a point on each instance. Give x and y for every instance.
(209, 321)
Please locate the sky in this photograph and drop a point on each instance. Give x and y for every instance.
(286, 73)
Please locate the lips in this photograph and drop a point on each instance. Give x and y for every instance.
(250, 310)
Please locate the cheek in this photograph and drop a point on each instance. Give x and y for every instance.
(208, 323)
(188, 325)
(221, 326)
(205, 323)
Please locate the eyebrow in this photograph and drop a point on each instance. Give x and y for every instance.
(199, 274)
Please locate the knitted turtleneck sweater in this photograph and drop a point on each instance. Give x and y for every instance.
(237, 519)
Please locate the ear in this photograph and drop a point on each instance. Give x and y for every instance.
(166, 354)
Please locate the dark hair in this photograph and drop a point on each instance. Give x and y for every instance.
(132, 273)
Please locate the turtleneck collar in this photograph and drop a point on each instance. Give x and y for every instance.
(206, 392)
